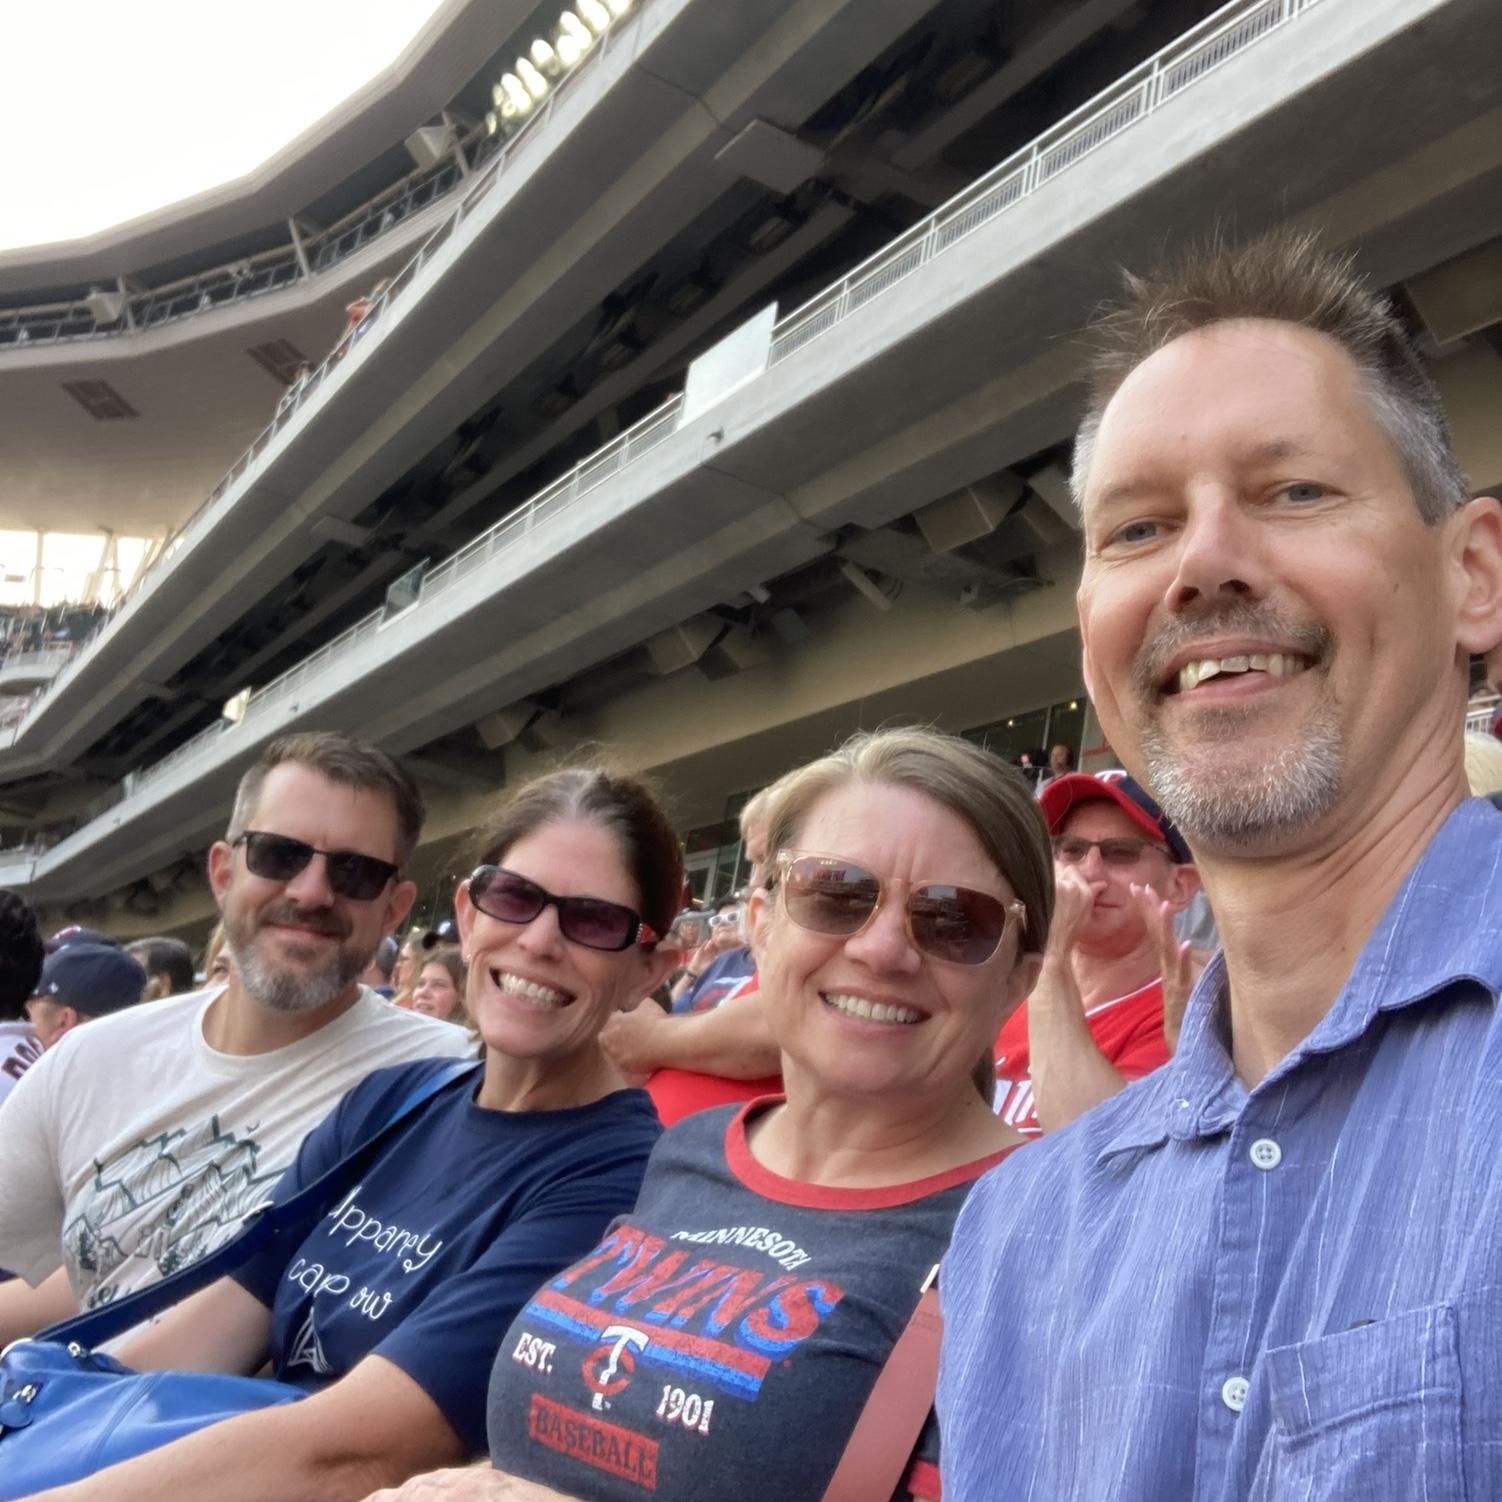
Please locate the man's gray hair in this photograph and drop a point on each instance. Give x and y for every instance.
(1285, 276)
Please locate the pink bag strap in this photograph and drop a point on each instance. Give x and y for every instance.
(879, 1453)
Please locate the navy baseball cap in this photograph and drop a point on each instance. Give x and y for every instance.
(1074, 788)
(76, 935)
(94, 979)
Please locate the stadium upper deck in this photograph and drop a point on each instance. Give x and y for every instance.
(812, 472)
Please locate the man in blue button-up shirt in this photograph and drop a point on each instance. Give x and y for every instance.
(1273, 1269)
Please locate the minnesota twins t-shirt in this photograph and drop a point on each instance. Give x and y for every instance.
(463, 1214)
(722, 1339)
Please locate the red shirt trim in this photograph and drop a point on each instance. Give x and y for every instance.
(923, 1481)
(772, 1186)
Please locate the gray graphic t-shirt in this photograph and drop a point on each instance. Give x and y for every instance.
(131, 1148)
(722, 1339)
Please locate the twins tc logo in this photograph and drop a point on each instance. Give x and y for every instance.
(609, 1367)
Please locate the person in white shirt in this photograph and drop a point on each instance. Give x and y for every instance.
(139, 1143)
(21, 956)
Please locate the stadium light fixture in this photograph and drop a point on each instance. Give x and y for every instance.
(618, 8)
(594, 15)
(492, 122)
(517, 100)
(536, 84)
(574, 38)
(545, 59)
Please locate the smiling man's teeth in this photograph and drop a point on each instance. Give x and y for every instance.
(1274, 664)
(529, 990)
(872, 1011)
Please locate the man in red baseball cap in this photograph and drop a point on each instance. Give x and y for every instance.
(1095, 1018)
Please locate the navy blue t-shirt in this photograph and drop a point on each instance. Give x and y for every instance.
(463, 1214)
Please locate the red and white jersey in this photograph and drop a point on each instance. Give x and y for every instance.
(1128, 1030)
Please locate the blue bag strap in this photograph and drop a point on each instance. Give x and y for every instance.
(273, 1222)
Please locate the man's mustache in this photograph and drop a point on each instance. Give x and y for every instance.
(1234, 618)
(319, 920)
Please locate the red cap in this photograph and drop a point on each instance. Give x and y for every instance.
(1061, 794)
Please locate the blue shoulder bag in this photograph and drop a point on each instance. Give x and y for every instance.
(67, 1412)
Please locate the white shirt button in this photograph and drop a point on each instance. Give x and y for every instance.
(1233, 1393)
(1266, 1153)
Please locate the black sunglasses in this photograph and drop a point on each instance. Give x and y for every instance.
(590, 921)
(1120, 850)
(826, 894)
(278, 857)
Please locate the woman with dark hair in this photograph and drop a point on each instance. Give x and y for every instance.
(723, 1338)
(393, 1306)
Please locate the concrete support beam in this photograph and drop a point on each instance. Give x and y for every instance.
(684, 644)
(503, 726)
(970, 513)
(866, 585)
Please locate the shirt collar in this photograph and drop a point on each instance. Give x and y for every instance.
(1441, 928)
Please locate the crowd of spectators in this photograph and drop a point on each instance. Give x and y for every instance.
(1211, 1225)
(34, 628)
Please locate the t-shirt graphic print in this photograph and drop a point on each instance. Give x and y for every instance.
(722, 1339)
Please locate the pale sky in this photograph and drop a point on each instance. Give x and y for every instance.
(113, 109)
(68, 559)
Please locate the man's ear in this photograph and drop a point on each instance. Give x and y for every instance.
(221, 868)
(399, 904)
(1477, 558)
(68, 1018)
(1182, 886)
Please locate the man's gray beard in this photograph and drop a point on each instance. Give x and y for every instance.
(1219, 802)
(279, 991)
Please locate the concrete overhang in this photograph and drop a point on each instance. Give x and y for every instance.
(840, 431)
(431, 70)
(624, 164)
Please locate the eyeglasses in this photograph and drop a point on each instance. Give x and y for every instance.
(828, 895)
(590, 921)
(278, 857)
(1123, 851)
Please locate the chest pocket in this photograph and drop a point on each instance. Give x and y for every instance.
(1372, 1411)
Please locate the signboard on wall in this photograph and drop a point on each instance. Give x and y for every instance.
(736, 359)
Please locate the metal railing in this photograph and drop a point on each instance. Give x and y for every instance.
(300, 395)
(239, 280)
(1479, 716)
(40, 660)
(1185, 62)
(622, 450)
(1162, 77)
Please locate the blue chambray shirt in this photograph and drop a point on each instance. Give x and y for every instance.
(1294, 1293)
